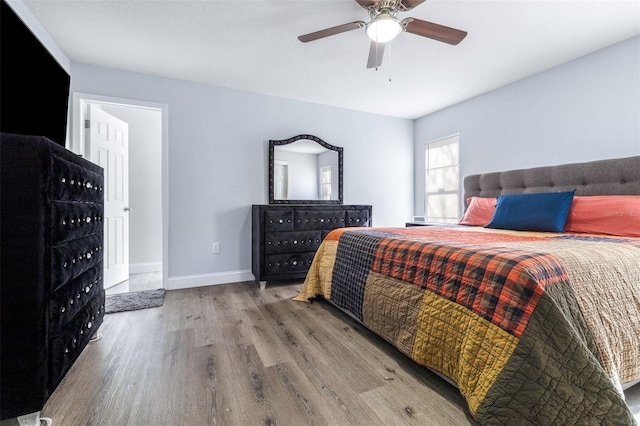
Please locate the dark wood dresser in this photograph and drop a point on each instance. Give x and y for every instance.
(285, 237)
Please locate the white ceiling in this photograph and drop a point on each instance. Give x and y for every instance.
(253, 45)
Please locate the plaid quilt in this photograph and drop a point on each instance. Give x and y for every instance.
(534, 328)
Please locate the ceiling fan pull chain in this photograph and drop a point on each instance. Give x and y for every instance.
(390, 61)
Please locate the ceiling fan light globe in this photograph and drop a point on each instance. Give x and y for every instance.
(383, 28)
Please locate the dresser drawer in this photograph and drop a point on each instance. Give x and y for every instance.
(73, 182)
(277, 264)
(66, 345)
(358, 218)
(73, 258)
(72, 220)
(68, 300)
(292, 242)
(319, 219)
(278, 220)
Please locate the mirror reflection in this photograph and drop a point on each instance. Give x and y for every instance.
(305, 169)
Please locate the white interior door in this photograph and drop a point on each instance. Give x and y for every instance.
(108, 146)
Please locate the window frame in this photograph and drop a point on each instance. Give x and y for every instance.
(453, 139)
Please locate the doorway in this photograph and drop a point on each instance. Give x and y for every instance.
(147, 187)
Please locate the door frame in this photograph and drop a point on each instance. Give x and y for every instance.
(77, 145)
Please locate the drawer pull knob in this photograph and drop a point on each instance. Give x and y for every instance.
(280, 221)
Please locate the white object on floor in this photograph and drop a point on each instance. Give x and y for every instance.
(96, 337)
(34, 419)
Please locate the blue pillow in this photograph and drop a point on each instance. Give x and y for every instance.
(532, 212)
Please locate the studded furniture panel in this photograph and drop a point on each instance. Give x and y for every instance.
(52, 295)
(285, 237)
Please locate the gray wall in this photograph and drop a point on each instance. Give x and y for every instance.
(587, 109)
(218, 148)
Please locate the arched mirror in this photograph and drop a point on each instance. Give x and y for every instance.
(304, 170)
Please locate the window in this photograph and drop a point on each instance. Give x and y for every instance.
(325, 179)
(442, 180)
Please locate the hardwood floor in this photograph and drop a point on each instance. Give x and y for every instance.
(138, 282)
(237, 355)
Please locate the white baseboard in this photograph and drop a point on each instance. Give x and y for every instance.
(202, 280)
(145, 268)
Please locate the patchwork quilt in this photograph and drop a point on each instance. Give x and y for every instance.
(533, 328)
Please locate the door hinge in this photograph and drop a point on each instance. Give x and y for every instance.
(86, 124)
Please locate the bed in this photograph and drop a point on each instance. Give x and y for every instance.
(532, 327)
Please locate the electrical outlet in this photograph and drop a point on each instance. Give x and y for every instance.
(215, 248)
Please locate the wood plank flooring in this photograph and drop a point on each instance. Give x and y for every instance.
(237, 355)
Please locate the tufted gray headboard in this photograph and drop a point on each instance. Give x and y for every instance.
(620, 176)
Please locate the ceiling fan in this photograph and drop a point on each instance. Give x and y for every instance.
(384, 26)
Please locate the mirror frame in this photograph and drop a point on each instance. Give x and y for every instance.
(274, 143)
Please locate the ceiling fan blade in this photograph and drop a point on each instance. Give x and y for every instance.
(376, 52)
(366, 3)
(410, 4)
(433, 31)
(331, 31)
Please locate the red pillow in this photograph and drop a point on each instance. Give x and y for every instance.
(480, 211)
(605, 214)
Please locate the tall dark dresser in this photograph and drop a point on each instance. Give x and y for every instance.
(52, 296)
(285, 237)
